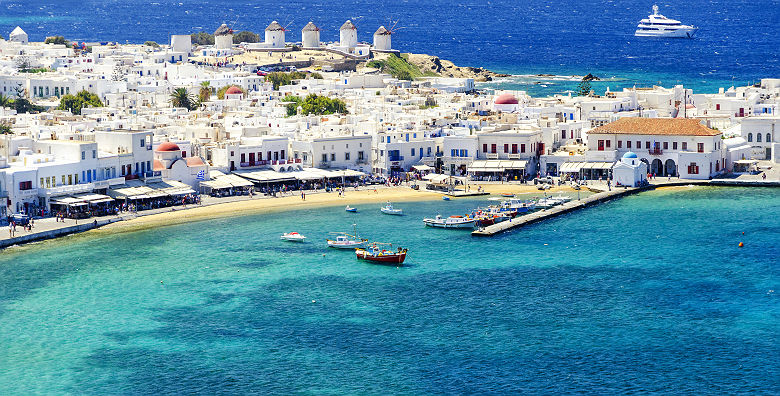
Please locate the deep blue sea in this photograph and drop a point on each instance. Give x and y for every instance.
(647, 294)
(737, 44)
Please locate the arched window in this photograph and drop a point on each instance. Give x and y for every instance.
(758, 137)
(768, 137)
(750, 137)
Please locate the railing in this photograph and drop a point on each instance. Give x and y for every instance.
(656, 151)
(514, 156)
(492, 155)
(400, 158)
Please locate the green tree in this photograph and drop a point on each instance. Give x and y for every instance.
(152, 44)
(583, 88)
(56, 40)
(202, 38)
(5, 129)
(5, 101)
(204, 94)
(75, 103)
(279, 79)
(403, 75)
(315, 104)
(181, 98)
(245, 36)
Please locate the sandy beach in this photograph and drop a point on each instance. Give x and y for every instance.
(259, 204)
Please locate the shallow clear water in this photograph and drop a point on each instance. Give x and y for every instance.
(647, 293)
(736, 44)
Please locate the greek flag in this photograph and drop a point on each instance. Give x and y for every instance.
(202, 175)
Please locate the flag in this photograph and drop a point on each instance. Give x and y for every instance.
(202, 175)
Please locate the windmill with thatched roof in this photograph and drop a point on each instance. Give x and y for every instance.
(223, 37)
(274, 35)
(310, 36)
(348, 35)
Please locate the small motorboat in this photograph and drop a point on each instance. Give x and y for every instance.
(347, 241)
(379, 255)
(389, 209)
(450, 222)
(293, 237)
(445, 198)
(507, 195)
(546, 203)
(561, 198)
(351, 209)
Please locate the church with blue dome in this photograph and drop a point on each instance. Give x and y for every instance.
(630, 171)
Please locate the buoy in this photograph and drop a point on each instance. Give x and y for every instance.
(743, 232)
(741, 244)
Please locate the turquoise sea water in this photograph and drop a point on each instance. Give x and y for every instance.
(649, 293)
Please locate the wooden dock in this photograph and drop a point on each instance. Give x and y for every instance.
(570, 206)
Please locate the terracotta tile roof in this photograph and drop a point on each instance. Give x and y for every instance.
(194, 161)
(656, 126)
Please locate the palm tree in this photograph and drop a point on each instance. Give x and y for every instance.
(205, 92)
(5, 101)
(181, 98)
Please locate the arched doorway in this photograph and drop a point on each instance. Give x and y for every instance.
(646, 163)
(657, 167)
(670, 168)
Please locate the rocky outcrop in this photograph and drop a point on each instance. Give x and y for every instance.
(445, 68)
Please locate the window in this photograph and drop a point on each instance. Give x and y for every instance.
(717, 106)
(609, 143)
(514, 148)
(522, 148)
(63, 180)
(666, 145)
(563, 134)
(324, 158)
(768, 137)
(647, 145)
(360, 156)
(94, 153)
(25, 185)
(232, 153)
(83, 155)
(750, 137)
(685, 146)
(700, 147)
(620, 144)
(758, 137)
(429, 151)
(492, 148)
(412, 151)
(693, 169)
(674, 145)
(333, 157)
(638, 144)
(601, 145)
(243, 157)
(453, 153)
(628, 144)
(346, 156)
(282, 154)
(143, 142)
(506, 148)
(484, 148)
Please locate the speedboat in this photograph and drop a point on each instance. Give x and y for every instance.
(657, 25)
(293, 237)
(389, 209)
(546, 203)
(445, 198)
(351, 209)
(519, 205)
(450, 222)
(379, 255)
(561, 198)
(507, 195)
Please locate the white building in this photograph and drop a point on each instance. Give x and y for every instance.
(761, 133)
(274, 36)
(181, 43)
(382, 39)
(310, 36)
(348, 35)
(670, 147)
(18, 36)
(629, 171)
(223, 38)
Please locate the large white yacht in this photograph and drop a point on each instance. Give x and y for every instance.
(657, 25)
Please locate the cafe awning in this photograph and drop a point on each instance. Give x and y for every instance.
(422, 168)
(492, 166)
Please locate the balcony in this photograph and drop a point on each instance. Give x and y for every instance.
(655, 151)
(491, 155)
(514, 156)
